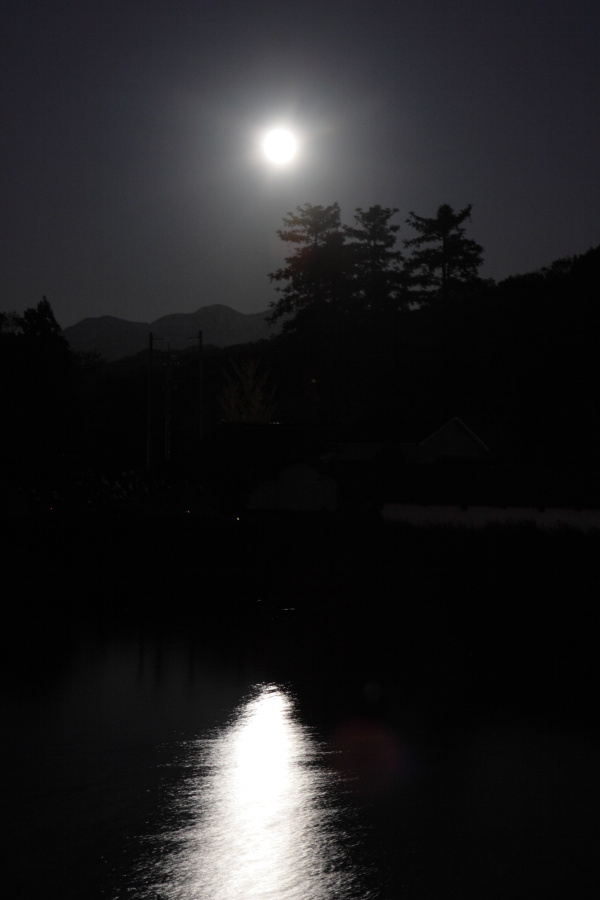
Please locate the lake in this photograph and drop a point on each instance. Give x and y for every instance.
(140, 767)
(298, 741)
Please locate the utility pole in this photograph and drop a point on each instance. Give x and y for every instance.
(150, 402)
(168, 391)
(149, 407)
(200, 385)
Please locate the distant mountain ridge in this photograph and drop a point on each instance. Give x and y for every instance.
(115, 338)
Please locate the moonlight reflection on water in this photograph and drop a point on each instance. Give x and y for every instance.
(260, 816)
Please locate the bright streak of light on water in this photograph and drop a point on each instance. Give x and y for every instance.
(258, 817)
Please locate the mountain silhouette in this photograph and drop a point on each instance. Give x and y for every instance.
(115, 338)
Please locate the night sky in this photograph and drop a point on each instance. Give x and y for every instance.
(133, 183)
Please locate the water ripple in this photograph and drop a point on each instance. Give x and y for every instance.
(257, 816)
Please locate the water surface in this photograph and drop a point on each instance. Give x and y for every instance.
(139, 767)
(258, 814)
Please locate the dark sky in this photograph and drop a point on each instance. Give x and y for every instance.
(132, 182)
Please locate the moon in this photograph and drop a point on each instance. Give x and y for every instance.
(280, 146)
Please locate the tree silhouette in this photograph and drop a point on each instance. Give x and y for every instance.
(39, 322)
(36, 387)
(338, 277)
(444, 260)
(376, 273)
(314, 274)
(247, 396)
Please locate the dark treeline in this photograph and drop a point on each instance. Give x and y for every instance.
(38, 380)
(357, 272)
(372, 335)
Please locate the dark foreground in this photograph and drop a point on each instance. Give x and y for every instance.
(474, 652)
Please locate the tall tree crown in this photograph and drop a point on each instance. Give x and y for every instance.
(314, 271)
(444, 259)
(376, 264)
(344, 270)
(311, 224)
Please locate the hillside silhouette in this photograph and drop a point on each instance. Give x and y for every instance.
(114, 338)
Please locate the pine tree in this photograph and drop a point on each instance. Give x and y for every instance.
(314, 275)
(444, 261)
(376, 273)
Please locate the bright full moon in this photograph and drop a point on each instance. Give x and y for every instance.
(280, 146)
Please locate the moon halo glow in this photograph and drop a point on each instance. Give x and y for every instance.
(279, 146)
